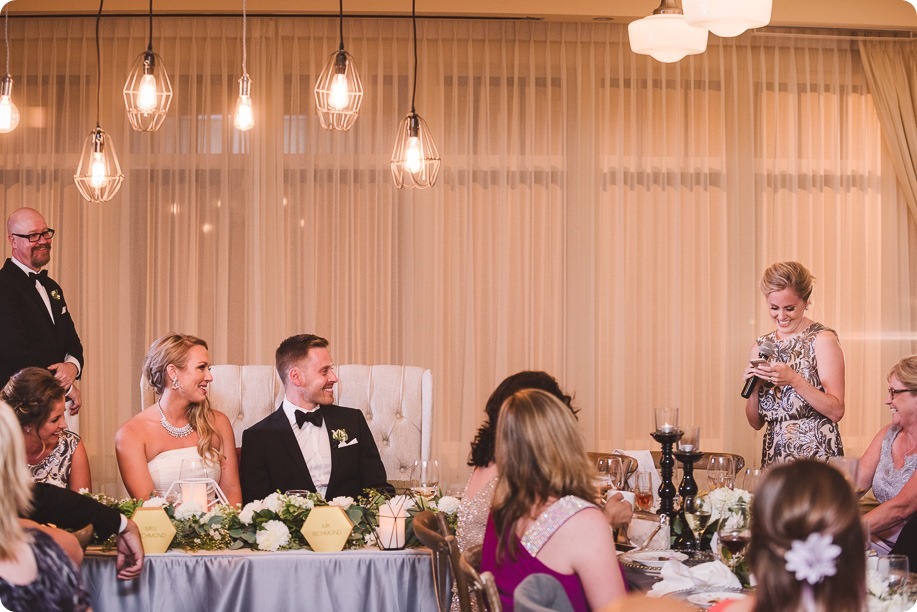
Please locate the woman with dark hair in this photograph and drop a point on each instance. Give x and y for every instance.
(807, 542)
(543, 519)
(55, 454)
(180, 426)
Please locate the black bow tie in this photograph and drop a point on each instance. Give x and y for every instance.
(314, 417)
(40, 276)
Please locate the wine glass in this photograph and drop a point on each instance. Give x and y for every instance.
(720, 472)
(602, 482)
(893, 570)
(193, 469)
(697, 513)
(643, 490)
(425, 478)
(848, 466)
(734, 532)
(750, 479)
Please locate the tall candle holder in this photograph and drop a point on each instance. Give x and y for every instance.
(666, 463)
(688, 486)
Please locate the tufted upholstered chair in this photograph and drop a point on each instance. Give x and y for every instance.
(396, 400)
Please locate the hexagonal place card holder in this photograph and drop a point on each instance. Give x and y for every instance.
(327, 528)
(156, 530)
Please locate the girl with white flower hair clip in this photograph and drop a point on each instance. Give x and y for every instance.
(807, 549)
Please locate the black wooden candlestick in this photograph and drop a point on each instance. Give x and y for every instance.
(666, 463)
(688, 486)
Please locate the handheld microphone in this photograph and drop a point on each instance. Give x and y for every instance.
(765, 351)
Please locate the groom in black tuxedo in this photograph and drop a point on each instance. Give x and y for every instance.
(35, 324)
(308, 443)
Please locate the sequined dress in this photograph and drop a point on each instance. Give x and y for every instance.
(888, 481)
(795, 429)
(55, 468)
(472, 521)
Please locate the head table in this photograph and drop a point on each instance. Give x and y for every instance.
(245, 580)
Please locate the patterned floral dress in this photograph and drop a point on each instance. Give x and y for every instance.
(795, 429)
(55, 468)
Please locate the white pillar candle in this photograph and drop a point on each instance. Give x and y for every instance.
(391, 527)
(194, 492)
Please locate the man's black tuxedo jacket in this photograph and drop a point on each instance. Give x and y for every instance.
(29, 337)
(70, 510)
(272, 460)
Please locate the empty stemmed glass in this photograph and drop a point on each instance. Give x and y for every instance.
(602, 480)
(720, 472)
(734, 532)
(425, 479)
(616, 473)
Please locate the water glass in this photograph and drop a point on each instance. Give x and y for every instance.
(720, 472)
(893, 569)
(425, 478)
(848, 466)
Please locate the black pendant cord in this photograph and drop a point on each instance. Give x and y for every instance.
(99, 68)
(341, 23)
(150, 45)
(414, 22)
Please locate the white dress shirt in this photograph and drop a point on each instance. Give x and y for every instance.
(314, 444)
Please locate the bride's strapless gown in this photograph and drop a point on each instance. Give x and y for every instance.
(165, 468)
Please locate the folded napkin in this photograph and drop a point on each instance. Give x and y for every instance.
(676, 576)
(644, 462)
(640, 528)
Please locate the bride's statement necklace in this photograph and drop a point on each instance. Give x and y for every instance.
(175, 432)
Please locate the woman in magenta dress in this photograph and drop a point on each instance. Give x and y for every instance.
(543, 490)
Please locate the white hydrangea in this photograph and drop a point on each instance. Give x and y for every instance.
(724, 497)
(155, 502)
(370, 539)
(272, 502)
(272, 536)
(342, 501)
(188, 510)
(300, 501)
(448, 504)
(248, 512)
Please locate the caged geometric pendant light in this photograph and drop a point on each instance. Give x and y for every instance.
(147, 91)
(244, 115)
(98, 175)
(338, 91)
(9, 114)
(415, 160)
(665, 35)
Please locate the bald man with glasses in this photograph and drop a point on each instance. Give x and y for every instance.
(36, 328)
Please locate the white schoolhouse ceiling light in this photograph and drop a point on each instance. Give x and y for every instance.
(727, 18)
(665, 35)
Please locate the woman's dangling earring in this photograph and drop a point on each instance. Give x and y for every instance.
(175, 383)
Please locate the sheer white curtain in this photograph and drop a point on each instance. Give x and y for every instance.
(600, 215)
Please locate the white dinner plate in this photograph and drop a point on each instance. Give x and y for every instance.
(655, 558)
(705, 600)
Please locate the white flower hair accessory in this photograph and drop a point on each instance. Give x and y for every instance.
(813, 559)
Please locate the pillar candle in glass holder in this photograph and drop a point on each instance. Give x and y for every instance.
(690, 440)
(391, 526)
(194, 492)
(666, 420)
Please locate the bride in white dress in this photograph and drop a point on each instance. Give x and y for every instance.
(179, 426)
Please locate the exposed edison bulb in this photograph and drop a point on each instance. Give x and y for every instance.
(9, 115)
(97, 171)
(245, 118)
(146, 96)
(339, 95)
(413, 156)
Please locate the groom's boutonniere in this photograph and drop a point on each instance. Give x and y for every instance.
(55, 294)
(339, 436)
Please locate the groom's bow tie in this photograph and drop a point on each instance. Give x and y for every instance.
(314, 417)
(40, 276)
